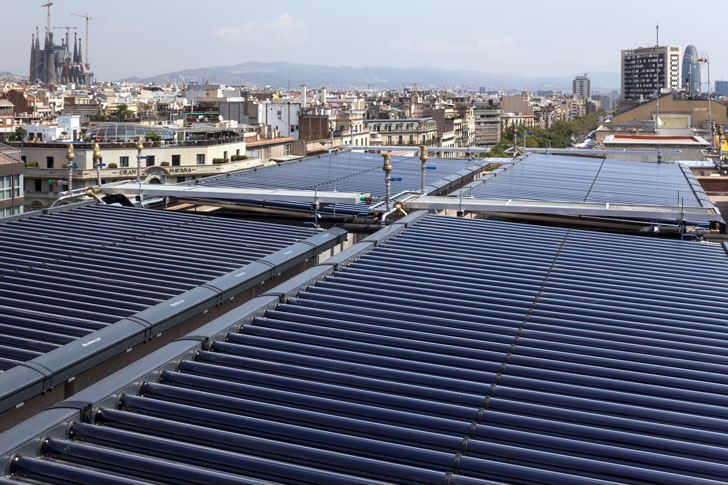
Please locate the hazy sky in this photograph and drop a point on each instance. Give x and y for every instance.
(531, 38)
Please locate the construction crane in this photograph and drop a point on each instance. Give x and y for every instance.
(68, 33)
(48, 6)
(85, 16)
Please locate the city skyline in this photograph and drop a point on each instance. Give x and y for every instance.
(148, 39)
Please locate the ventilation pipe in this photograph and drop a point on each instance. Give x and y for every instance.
(423, 159)
(387, 167)
(97, 163)
(139, 147)
(70, 156)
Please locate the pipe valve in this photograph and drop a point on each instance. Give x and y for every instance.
(399, 205)
(387, 167)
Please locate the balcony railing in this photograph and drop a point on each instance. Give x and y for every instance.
(87, 145)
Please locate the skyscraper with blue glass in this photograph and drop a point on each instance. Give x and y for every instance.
(691, 71)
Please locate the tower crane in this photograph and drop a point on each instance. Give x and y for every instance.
(68, 33)
(87, 17)
(48, 6)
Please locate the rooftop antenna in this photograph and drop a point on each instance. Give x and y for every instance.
(657, 126)
(85, 16)
(48, 6)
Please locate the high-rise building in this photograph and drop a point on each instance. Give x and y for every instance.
(646, 70)
(721, 88)
(691, 71)
(582, 86)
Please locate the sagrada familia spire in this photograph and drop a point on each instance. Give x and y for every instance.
(56, 64)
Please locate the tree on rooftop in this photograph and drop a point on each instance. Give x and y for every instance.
(123, 112)
(19, 135)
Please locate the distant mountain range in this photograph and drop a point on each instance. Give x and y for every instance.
(286, 74)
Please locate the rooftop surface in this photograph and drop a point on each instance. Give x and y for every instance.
(689, 141)
(563, 178)
(347, 172)
(76, 282)
(458, 351)
(9, 155)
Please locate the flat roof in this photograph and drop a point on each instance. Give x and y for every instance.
(268, 141)
(7, 160)
(655, 140)
(507, 353)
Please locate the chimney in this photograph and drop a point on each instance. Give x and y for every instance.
(323, 96)
(303, 96)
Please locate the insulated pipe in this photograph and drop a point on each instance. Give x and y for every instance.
(97, 163)
(82, 192)
(423, 159)
(70, 155)
(139, 147)
(387, 167)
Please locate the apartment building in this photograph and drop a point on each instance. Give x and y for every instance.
(11, 182)
(648, 69)
(406, 131)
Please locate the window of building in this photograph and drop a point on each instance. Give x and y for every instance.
(180, 180)
(237, 151)
(38, 185)
(412, 138)
(5, 187)
(49, 162)
(123, 161)
(150, 160)
(23, 158)
(200, 159)
(399, 139)
(175, 160)
(225, 154)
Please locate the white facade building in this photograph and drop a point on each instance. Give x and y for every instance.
(67, 128)
(283, 116)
